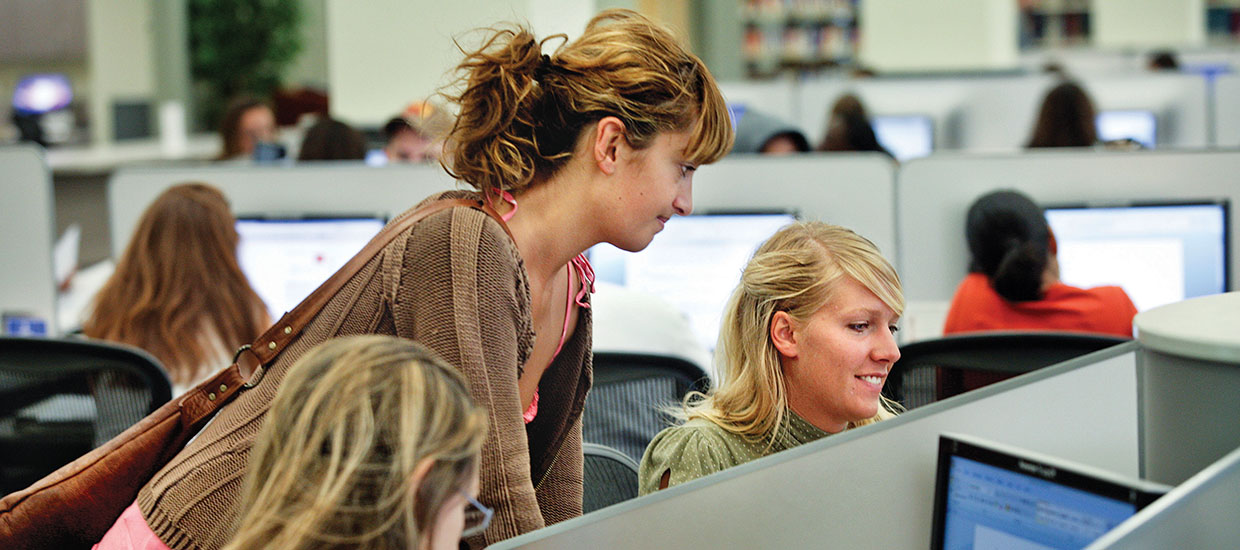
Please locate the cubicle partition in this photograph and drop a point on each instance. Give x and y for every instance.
(986, 112)
(873, 487)
(934, 194)
(1138, 409)
(27, 222)
(855, 190)
(1227, 110)
(315, 188)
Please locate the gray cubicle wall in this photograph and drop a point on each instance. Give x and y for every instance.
(989, 113)
(27, 222)
(322, 188)
(1200, 513)
(873, 487)
(855, 190)
(933, 195)
(1227, 111)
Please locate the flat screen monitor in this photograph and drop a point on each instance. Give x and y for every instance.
(694, 263)
(285, 258)
(1139, 126)
(905, 136)
(1158, 253)
(989, 496)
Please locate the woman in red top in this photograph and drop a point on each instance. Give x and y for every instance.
(1014, 284)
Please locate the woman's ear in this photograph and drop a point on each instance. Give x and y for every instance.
(420, 470)
(784, 334)
(608, 138)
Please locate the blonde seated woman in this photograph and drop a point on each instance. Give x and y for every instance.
(807, 341)
(371, 442)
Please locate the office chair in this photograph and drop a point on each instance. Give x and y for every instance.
(60, 398)
(624, 407)
(938, 368)
(610, 477)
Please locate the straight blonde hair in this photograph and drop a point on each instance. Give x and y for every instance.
(797, 270)
(333, 464)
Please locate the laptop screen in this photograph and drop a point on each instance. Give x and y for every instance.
(905, 136)
(1158, 253)
(286, 259)
(694, 264)
(990, 497)
(1139, 126)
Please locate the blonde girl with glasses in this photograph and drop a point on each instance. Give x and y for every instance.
(371, 443)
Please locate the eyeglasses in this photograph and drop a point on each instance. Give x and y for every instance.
(477, 516)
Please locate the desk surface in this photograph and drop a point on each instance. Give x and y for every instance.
(1200, 328)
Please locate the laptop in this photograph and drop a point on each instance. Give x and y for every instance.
(989, 496)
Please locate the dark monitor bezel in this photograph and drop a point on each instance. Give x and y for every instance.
(1139, 493)
(1223, 203)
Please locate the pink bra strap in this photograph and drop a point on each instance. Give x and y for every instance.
(506, 197)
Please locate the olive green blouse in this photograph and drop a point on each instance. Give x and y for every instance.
(700, 447)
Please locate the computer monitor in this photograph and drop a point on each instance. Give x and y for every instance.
(1158, 253)
(989, 496)
(905, 136)
(694, 263)
(286, 258)
(1139, 126)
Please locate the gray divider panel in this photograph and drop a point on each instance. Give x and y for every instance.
(873, 487)
(27, 222)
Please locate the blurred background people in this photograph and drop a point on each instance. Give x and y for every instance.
(331, 139)
(758, 132)
(849, 128)
(178, 291)
(247, 123)
(1065, 119)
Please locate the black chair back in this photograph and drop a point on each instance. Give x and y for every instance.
(624, 409)
(60, 398)
(610, 477)
(938, 368)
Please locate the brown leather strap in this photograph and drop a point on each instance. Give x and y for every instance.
(265, 349)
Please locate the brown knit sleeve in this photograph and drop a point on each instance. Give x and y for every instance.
(462, 292)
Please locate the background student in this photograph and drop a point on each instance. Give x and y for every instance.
(1013, 281)
(807, 341)
(178, 291)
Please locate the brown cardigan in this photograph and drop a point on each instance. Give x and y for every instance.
(456, 283)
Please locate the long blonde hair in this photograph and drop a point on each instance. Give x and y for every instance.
(521, 112)
(178, 286)
(334, 461)
(797, 270)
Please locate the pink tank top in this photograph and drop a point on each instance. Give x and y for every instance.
(585, 273)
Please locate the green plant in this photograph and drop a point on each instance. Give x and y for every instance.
(241, 47)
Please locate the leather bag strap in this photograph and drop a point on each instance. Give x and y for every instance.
(246, 371)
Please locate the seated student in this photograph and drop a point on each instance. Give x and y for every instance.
(247, 122)
(1065, 119)
(807, 342)
(372, 442)
(758, 132)
(331, 139)
(418, 134)
(178, 291)
(849, 128)
(1014, 277)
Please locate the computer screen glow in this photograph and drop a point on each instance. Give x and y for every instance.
(694, 264)
(285, 260)
(1158, 254)
(905, 136)
(1139, 126)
